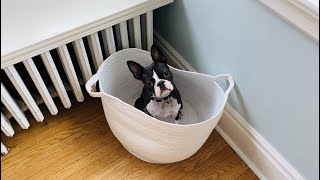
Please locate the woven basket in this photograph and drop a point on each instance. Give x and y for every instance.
(147, 138)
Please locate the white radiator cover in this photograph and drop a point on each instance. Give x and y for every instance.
(31, 78)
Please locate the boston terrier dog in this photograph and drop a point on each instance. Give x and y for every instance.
(160, 96)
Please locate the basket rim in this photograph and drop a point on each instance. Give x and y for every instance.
(150, 117)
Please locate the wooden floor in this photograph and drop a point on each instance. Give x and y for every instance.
(78, 144)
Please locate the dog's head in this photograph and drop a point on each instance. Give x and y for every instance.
(157, 77)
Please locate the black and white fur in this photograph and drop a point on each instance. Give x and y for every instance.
(160, 96)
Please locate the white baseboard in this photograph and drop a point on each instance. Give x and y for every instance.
(253, 149)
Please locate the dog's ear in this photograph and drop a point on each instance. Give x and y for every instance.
(157, 55)
(136, 69)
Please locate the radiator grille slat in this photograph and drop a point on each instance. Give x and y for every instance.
(24, 92)
(124, 35)
(67, 68)
(6, 127)
(137, 32)
(105, 44)
(82, 58)
(70, 71)
(95, 49)
(110, 40)
(40, 85)
(4, 149)
(55, 77)
(149, 21)
(117, 37)
(13, 108)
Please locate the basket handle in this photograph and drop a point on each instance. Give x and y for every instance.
(230, 80)
(90, 83)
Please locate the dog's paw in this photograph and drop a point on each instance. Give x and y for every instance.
(179, 116)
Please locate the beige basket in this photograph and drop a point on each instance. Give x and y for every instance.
(150, 139)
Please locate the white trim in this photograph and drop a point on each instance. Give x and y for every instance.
(253, 149)
(299, 13)
(57, 40)
(307, 6)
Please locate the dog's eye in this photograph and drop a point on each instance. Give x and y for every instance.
(166, 73)
(149, 83)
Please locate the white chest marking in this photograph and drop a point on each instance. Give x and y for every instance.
(164, 108)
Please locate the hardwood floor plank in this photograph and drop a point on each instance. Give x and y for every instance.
(234, 172)
(101, 164)
(53, 141)
(36, 160)
(78, 144)
(75, 152)
(214, 171)
(23, 139)
(207, 166)
(203, 157)
(247, 175)
(162, 171)
(113, 168)
(100, 153)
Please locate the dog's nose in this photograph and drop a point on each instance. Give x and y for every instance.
(161, 84)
